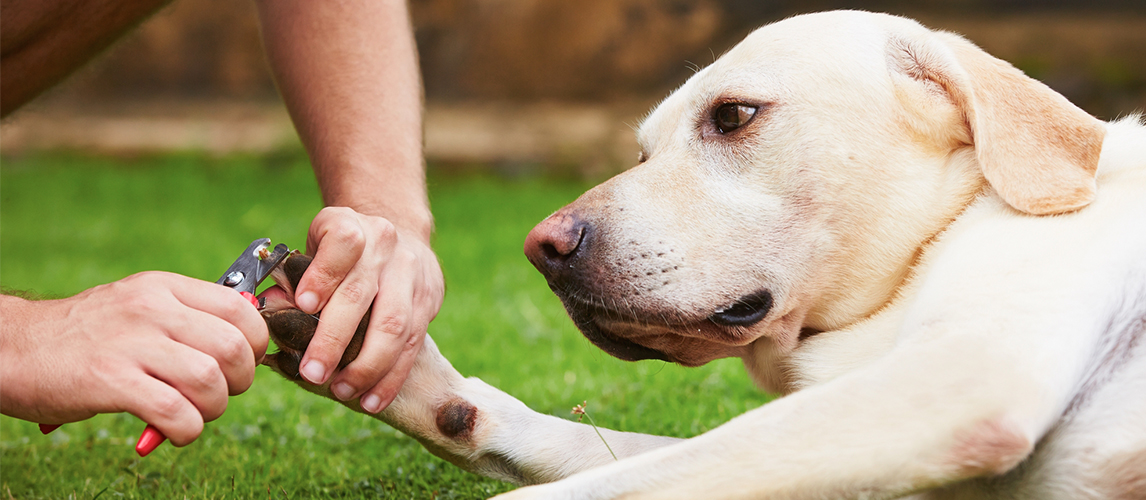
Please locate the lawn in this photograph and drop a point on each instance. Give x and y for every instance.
(70, 222)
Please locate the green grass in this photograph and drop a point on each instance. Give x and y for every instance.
(72, 222)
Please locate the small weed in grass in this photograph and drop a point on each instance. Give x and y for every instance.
(580, 411)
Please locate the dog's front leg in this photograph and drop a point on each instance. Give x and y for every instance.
(464, 421)
(483, 430)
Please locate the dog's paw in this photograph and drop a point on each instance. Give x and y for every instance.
(292, 329)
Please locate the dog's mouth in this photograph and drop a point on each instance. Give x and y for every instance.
(668, 334)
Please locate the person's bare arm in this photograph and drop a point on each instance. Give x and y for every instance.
(44, 41)
(166, 348)
(349, 75)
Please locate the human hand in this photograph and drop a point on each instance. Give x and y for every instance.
(166, 348)
(360, 260)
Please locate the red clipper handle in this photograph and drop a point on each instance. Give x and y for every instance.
(148, 441)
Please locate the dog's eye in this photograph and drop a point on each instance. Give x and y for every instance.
(731, 116)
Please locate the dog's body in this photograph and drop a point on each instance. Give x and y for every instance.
(941, 262)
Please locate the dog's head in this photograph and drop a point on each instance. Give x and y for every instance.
(790, 185)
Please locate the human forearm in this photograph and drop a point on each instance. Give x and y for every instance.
(15, 396)
(348, 72)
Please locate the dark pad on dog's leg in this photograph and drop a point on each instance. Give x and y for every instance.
(286, 363)
(355, 345)
(291, 328)
(456, 419)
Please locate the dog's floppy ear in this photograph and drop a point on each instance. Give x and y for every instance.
(1038, 151)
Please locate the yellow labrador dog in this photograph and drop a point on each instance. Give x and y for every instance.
(939, 260)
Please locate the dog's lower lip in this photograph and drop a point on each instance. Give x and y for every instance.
(746, 311)
(619, 347)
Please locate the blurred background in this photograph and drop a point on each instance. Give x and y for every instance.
(520, 85)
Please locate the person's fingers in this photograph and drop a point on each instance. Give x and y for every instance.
(226, 305)
(159, 404)
(355, 293)
(426, 305)
(337, 240)
(380, 396)
(336, 327)
(196, 375)
(221, 341)
(390, 328)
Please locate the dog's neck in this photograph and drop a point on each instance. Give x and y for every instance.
(878, 249)
(858, 288)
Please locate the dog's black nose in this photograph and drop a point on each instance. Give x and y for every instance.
(554, 244)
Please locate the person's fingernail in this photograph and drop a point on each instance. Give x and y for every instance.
(342, 390)
(372, 403)
(308, 302)
(313, 372)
